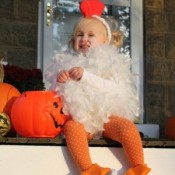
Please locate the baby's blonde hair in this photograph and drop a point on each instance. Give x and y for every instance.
(117, 38)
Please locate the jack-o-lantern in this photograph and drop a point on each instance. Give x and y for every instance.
(38, 114)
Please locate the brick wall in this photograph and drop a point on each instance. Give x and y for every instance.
(159, 61)
(18, 32)
(18, 44)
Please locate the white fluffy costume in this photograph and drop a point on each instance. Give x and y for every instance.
(106, 88)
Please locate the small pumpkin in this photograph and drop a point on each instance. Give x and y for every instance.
(5, 124)
(170, 128)
(38, 114)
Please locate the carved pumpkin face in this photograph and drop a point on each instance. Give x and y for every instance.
(38, 114)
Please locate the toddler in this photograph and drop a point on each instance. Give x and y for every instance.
(97, 87)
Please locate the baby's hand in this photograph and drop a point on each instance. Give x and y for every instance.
(63, 76)
(76, 73)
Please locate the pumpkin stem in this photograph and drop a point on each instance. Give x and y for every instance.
(1, 70)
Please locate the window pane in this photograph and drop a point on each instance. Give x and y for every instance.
(66, 14)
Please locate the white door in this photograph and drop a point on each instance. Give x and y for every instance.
(57, 19)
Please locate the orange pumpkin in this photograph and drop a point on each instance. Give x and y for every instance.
(38, 114)
(8, 94)
(170, 128)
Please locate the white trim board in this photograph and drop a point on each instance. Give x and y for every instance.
(55, 160)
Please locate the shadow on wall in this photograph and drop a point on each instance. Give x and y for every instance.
(120, 164)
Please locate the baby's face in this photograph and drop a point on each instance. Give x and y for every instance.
(89, 35)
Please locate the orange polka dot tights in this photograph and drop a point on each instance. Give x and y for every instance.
(118, 129)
